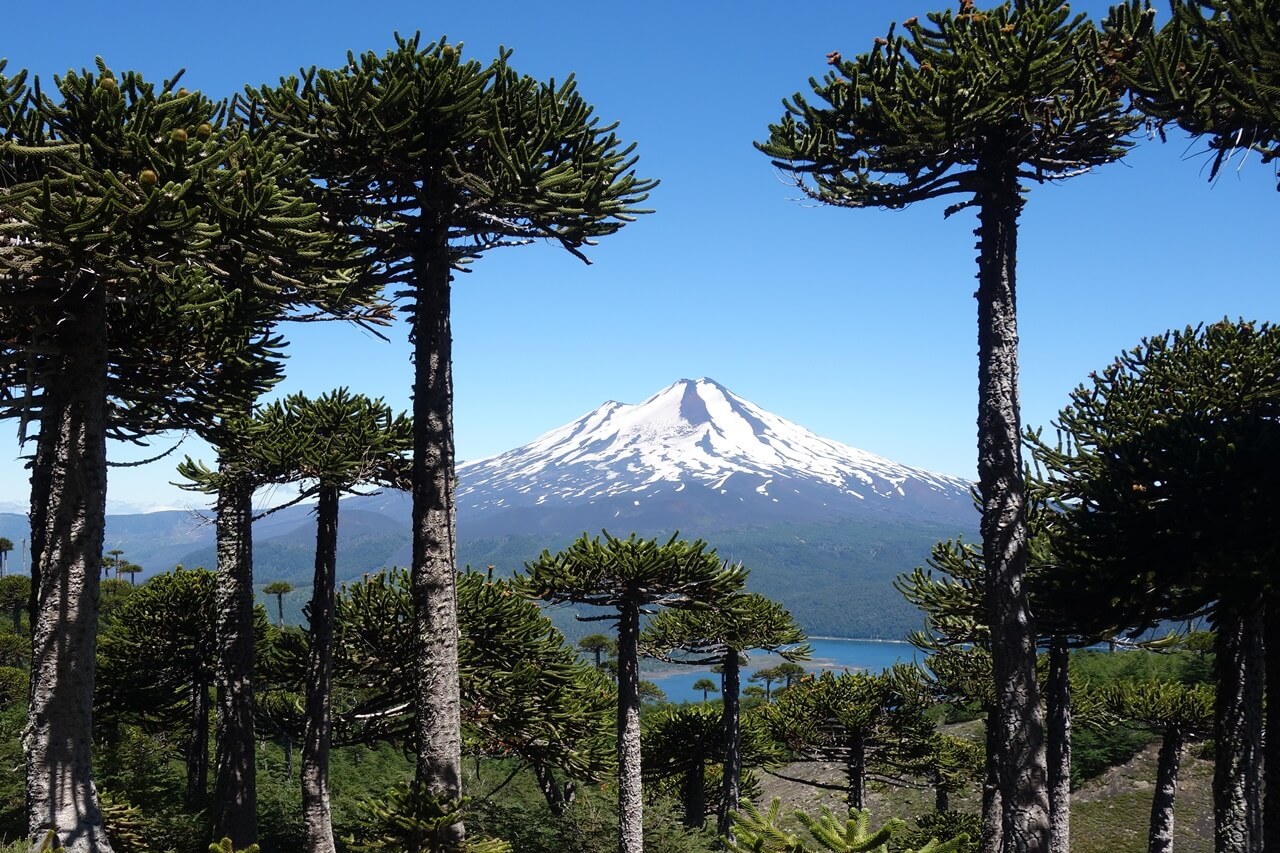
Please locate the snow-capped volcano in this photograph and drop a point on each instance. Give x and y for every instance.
(692, 455)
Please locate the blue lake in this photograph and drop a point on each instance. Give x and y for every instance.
(828, 653)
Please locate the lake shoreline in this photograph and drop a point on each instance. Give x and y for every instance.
(834, 654)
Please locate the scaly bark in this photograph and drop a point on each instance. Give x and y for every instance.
(235, 792)
(730, 690)
(1059, 747)
(558, 796)
(694, 794)
(630, 793)
(855, 772)
(434, 573)
(69, 491)
(1023, 774)
(1271, 745)
(992, 811)
(1160, 836)
(317, 816)
(198, 746)
(1237, 707)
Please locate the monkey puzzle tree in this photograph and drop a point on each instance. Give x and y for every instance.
(15, 595)
(631, 576)
(156, 662)
(113, 327)
(1213, 70)
(526, 694)
(682, 742)
(429, 161)
(331, 445)
(973, 104)
(707, 686)
(279, 589)
(1178, 712)
(952, 593)
(598, 645)
(1163, 471)
(722, 635)
(858, 719)
(278, 262)
(6, 545)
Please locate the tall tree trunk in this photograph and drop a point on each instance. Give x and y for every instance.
(1023, 774)
(559, 797)
(1271, 742)
(1059, 747)
(69, 491)
(434, 574)
(855, 771)
(317, 816)
(630, 793)
(695, 796)
(198, 746)
(1236, 712)
(992, 811)
(941, 798)
(1160, 836)
(235, 785)
(731, 784)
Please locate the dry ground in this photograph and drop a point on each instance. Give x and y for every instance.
(1109, 814)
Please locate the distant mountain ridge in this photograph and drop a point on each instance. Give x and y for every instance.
(823, 526)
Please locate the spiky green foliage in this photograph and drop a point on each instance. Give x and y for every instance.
(1163, 467)
(338, 440)
(225, 846)
(126, 824)
(489, 156)
(914, 118)
(1160, 704)
(742, 623)
(1213, 69)
(871, 724)
(115, 178)
(760, 833)
(156, 663)
(684, 742)
(526, 694)
(408, 819)
(13, 685)
(613, 572)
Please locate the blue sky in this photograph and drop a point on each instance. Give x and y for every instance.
(858, 324)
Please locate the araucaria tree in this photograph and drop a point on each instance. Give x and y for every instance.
(112, 328)
(275, 262)
(1179, 712)
(973, 104)
(1164, 474)
(333, 444)
(741, 623)
(632, 576)
(429, 161)
(1213, 70)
